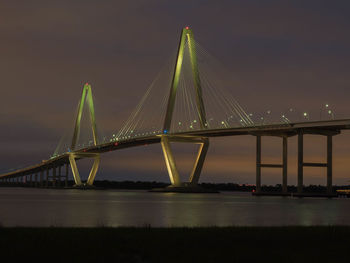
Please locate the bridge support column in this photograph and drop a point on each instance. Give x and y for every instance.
(47, 177)
(36, 180)
(300, 161)
(329, 164)
(301, 164)
(170, 160)
(75, 171)
(258, 163)
(59, 176)
(66, 178)
(41, 178)
(92, 175)
(284, 164)
(54, 176)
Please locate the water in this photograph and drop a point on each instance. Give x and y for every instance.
(50, 207)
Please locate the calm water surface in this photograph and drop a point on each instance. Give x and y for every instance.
(50, 207)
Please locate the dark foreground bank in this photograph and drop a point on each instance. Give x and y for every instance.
(229, 244)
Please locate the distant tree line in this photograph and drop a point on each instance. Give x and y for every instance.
(146, 185)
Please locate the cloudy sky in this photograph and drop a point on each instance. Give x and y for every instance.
(280, 54)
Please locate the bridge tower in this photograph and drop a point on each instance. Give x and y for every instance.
(76, 154)
(166, 137)
(186, 34)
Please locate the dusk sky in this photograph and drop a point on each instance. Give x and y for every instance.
(279, 54)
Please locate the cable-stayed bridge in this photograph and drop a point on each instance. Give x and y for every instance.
(184, 104)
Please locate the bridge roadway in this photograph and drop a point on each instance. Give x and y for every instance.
(330, 127)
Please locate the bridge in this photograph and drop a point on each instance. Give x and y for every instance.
(200, 127)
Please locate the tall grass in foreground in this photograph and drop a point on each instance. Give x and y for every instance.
(147, 244)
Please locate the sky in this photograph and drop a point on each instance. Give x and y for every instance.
(279, 54)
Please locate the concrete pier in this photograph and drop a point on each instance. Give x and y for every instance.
(47, 177)
(285, 165)
(59, 176)
(301, 164)
(67, 173)
(54, 176)
(300, 161)
(41, 178)
(329, 164)
(260, 165)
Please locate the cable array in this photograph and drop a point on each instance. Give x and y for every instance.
(147, 119)
(222, 110)
(85, 138)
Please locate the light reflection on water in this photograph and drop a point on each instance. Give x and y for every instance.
(49, 207)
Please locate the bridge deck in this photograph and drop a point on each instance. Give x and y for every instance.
(332, 127)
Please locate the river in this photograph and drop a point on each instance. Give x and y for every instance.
(33, 207)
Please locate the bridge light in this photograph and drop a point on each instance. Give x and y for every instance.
(115, 144)
(329, 112)
(187, 28)
(165, 131)
(327, 105)
(86, 83)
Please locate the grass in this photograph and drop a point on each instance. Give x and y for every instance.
(212, 244)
